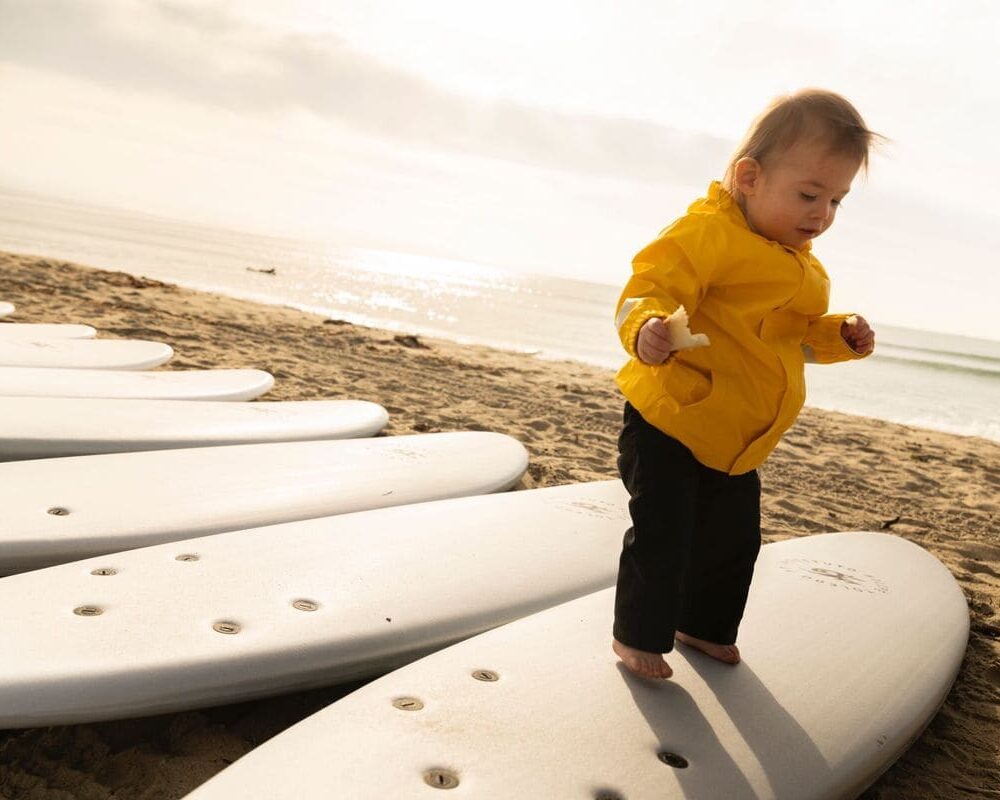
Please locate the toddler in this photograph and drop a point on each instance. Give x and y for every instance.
(703, 411)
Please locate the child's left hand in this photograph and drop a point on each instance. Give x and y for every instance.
(858, 334)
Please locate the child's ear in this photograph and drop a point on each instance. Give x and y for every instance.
(746, 175)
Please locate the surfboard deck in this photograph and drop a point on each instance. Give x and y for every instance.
(207, 384)
(84, 353)
(43, 330)
(45, 427)
(850, 643)
(256, 612)
(64, 509)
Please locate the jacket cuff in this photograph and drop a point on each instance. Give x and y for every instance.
(826, 344)
(629, 331)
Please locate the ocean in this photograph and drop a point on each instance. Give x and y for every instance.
(922, 378)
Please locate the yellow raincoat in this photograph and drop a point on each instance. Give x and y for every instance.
(763, 307)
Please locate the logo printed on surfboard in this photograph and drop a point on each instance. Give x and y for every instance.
(834, 574)
(406, 454)
(600, 509)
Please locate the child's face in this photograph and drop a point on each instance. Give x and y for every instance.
(795, 198)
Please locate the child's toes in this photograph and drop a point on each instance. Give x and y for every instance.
(642, 663)
(655, 667)
(662, 670)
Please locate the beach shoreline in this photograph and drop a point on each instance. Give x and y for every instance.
(831, 472)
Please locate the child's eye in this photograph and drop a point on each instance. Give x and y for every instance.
(805, 196)
(836, 202)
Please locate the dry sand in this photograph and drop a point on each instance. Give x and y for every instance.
(832, 472)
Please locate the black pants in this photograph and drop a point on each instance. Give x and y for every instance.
(688, 558)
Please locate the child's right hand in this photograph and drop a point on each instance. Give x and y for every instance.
(654, 344)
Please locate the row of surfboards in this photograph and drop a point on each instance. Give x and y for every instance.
(64, 360)
(148, 572)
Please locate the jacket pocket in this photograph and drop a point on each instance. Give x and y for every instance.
(684, 384)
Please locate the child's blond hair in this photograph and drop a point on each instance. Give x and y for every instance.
(808, 113)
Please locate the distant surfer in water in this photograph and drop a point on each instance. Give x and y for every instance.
(703, 410)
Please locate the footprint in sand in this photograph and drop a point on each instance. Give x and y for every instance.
(980, 551)
(788, 505)
(978, 568)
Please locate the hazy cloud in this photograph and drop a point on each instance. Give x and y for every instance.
(207, 55)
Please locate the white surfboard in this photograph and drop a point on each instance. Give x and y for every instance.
(63, 509)
(251, 613)
(84, 353)
(6, 309)
(43, 330)
(850, 643)
(45, 427)
(206, 384)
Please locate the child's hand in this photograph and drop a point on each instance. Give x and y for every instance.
(858, 334)
(654, 344)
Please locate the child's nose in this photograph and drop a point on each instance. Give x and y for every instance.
(823, 211)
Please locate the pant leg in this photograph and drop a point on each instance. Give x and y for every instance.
(724, 548)
(661, 477)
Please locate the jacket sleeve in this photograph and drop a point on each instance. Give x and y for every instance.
(823, 343)
(673, 271)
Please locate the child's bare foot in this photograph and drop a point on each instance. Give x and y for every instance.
(727, 653)
(642, 663)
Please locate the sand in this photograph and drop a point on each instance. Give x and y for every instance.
(832, 472)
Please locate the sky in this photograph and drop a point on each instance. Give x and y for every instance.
(549, 136)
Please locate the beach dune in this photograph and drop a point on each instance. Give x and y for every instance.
(832, 472)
